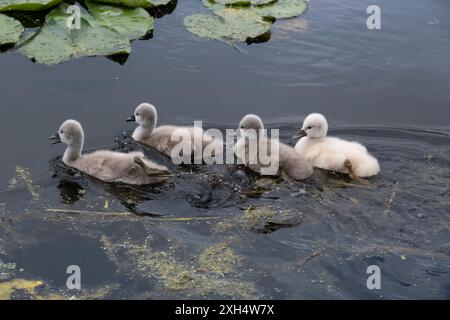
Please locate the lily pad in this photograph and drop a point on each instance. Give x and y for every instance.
(10, 30)
(56, 43)
(281, 9)
(138, 3)
(228, 25)
(133, 23)
(27, 5)
(243, 3)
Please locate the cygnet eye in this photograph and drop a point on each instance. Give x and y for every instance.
(309, 128)
(61, 131)
(137, 114)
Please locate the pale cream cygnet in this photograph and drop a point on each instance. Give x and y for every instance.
(332, 153)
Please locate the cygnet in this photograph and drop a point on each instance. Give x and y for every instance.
(253, 143)
(161, 138)
(109, 166)
(332, 153)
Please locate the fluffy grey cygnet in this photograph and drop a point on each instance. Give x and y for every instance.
(109, 166)
(290, 162)
(160, 137)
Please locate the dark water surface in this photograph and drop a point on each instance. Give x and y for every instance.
(218, 232)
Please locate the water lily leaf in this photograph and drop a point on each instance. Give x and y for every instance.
(10, 30)
(133, 23)
(228, 25)
(262, 2)
(281, 9)
(241, 2)
(27, 5)
(158, 3)
(138, 3)
(56, 43)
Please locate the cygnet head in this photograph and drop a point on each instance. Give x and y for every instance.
(70, 133)
(250, 122)
(145, 115)
(314, 126)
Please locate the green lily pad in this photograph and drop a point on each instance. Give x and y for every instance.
(10, 30)
(133, 23)
(262, 2)
(56, 43)
(27, 5)
(138, 3)
(242, 3)
(158, 3)
(281, 9)
(228, 25)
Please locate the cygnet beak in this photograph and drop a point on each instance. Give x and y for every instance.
(300, 134)
(131, 118)
(54, 139)
(163, 174)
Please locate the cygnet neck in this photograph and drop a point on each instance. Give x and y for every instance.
(73, 151)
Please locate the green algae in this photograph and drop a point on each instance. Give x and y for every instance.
(7, 269)
(24, 175)
(219, 258)
(191, 279)
(39, 290)
(8, 288)
(262, 219)
(177, 276)
(268, 219)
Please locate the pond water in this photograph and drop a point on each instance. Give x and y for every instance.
(218, 231)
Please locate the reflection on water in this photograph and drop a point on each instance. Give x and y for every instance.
(219, 231)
